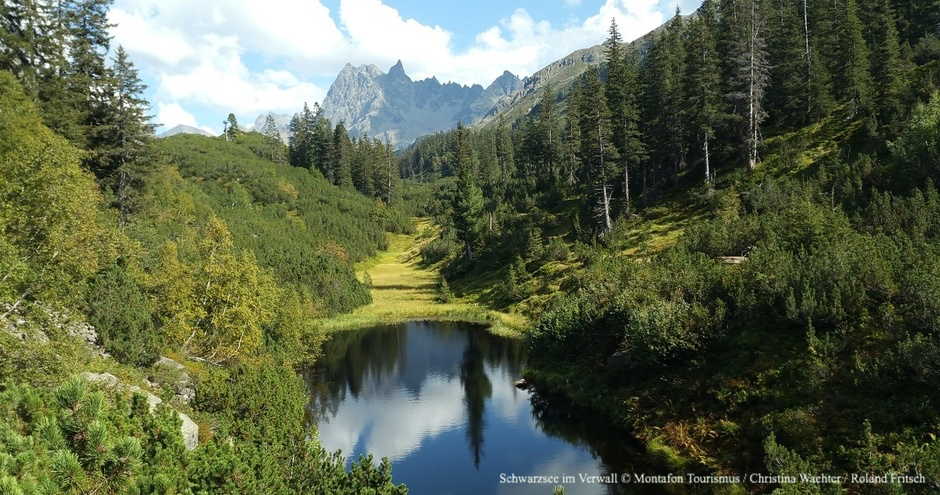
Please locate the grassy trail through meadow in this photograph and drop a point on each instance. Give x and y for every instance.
(403, 290)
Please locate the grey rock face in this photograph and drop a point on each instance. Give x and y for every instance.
(394, 107)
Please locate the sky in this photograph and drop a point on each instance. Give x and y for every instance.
(202, 60)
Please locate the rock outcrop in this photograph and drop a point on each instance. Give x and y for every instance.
(392, 106)
(189, 429)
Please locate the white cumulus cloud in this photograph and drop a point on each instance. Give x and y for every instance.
(252, 56)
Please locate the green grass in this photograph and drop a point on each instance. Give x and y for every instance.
(403, 290)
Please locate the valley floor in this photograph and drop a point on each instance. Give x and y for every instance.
(403, 289)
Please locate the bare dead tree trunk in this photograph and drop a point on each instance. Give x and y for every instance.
(808, 55)
(626, 187)
(708, 170)
(752, 92)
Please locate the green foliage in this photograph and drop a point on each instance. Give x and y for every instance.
(918, 146)
(311, 230)
(444, 294)
(54, 237)
(119, 312)
(436, 250)
(74, 440)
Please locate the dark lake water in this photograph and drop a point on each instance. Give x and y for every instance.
(438, 400)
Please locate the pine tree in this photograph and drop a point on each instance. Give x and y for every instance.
(89, 42)
(665, 72)
(751, 79)
(853, 71)
(881, 36)
(571, 137)
(300, 143)
(703, 81)
(341, 156)
(31, 44)
(597, 148)
(621, 90)
(274, 147)
(468, 199)
(788, 96)
(548, 137)
(917, 19)
(232, 130)
(322, 142)
(124, 134)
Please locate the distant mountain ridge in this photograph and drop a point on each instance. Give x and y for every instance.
(392, 106)
(281, 121)
(184, 129)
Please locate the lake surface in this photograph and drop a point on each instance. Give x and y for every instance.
(438, 400)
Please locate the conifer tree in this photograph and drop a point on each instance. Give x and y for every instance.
(124, 134)
(232, 130)
(666, 67)
(597, 148)
(548, 137)
(571, 137)
(468, 199)
(751, 78)
(703, 80)
(322, 142)
(881, 36)
(621, 90)
(300, 143)
(853, 70)
(89, 42)
(272, 140)
(788, 96)
(340, 159)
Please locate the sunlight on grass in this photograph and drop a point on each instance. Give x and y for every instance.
(403, 290)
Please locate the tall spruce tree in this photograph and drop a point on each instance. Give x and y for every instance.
(597, 147)
(788, 96)
(89, 41)
(620, 89)
(273, 146)
(665, 73)
(881, 36)
(853, 69)
(300, 143)
(468, 199)
(340, 165)
(549, 149)
(124, 134)
(751, 78)
(703, 82)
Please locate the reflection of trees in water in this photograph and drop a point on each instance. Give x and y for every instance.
(348, 357)
(477, 388)
(617, 450)
(351, 360)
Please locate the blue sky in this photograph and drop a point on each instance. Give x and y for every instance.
(204, 59)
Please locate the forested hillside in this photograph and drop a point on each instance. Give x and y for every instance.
(727, 237)
(212, 250)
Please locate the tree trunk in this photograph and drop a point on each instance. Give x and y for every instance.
(808, 56)
(469, 252)
(608, 225)
(752, 94)
(708, 170)
(626, 187)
